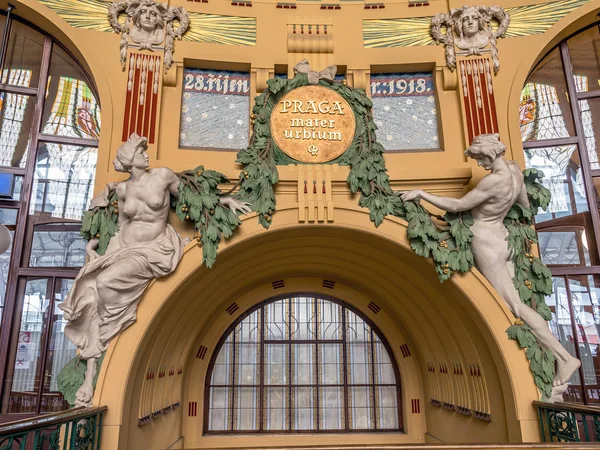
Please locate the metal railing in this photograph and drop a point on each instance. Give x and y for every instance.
(76, 429)
(568, 422)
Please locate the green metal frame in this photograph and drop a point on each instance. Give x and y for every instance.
(568, 422)
(76, 429)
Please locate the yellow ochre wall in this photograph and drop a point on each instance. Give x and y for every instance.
(459, 322)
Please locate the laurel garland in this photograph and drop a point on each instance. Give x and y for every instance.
(199, 203)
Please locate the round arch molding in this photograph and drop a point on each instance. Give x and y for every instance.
(451, 328)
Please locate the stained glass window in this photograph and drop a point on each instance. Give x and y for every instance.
(302, 363)
(405, 111)
(215, 109)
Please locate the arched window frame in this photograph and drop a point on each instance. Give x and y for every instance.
(566, 277)
(317, 296)
(20, 273)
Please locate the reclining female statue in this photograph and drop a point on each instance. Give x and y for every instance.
(107, 290)
(489, 203)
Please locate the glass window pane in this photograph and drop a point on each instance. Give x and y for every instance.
(60, 351)
(562, 329)
(25, 382)
(356, 328)
(585, 300)
(331, 369)
(63, 182)
(23, 56)
(329, 320)
(590, 117)
(331, 408)
(584, 51)
(276, 363)
(276, 408)
(57, 245)
(387, 411)
(223, 367)
(8, 218)
(566, 224)
(405, 111)
(248, 331)
(70, 108)
(219, 417)
(246, 409)
(545, 112)
(303, 318)
(303, 412)
(215, 109)
(384, 371)
(359, 363)
(276, 320)
(562, 177)
(247, 363)
(564, 247)
(303, 367)
(16, 116)
(361, 412)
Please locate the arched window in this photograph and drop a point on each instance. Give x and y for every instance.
(560, 129)
(49, 129)
(302, 363)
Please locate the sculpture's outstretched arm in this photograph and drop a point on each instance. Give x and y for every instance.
(473, 198)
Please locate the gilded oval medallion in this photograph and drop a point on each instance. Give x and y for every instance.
(313, 124)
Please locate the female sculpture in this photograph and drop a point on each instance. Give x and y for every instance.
(489, 203)
(104, 298)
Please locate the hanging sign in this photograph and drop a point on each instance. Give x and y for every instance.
(313, 124)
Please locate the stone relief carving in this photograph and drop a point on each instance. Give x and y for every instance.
(489, 202)
(145, 22)
(328, 73)
(470, 30)
(104, 297)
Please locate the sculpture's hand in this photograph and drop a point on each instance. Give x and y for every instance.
(235, 205)
(90, 248)
(412, 195)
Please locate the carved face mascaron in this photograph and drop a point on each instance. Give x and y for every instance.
(470, 28)
(470, 22)
(148, 24)
(148, 18)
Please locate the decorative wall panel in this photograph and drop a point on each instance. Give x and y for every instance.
(216, 29)
(215, 109)
(141, 101)
(478, 97)
(404, 110)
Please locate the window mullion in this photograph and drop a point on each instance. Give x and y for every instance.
(345, 371)
(575, 337)
(581, 144)
(45, 340)
(5, 37)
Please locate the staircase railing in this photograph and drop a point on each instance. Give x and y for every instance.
(76, 429)
(568, 422)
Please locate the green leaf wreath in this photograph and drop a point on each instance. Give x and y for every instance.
(445, 239)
